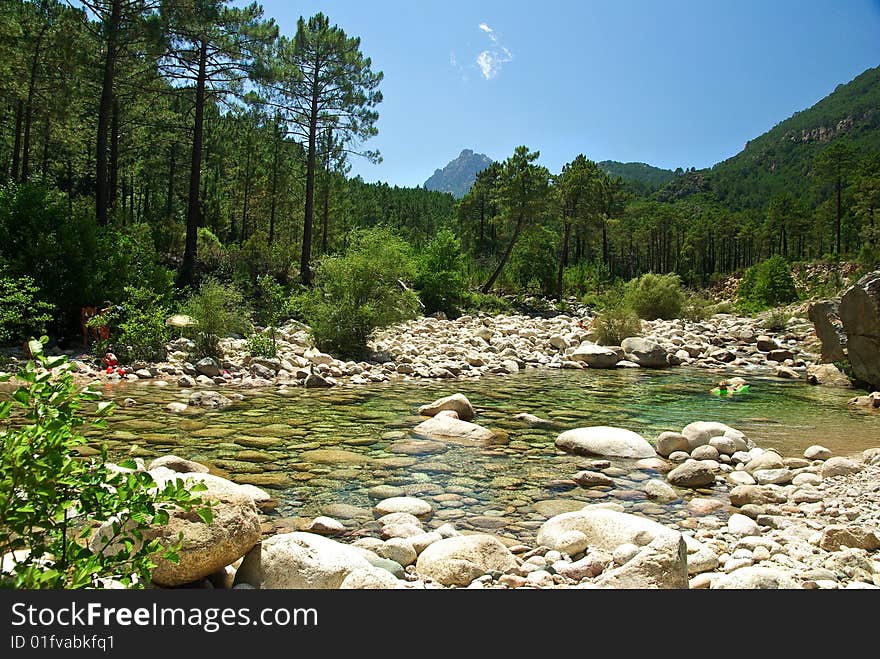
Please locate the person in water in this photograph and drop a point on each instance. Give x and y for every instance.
(731, 387)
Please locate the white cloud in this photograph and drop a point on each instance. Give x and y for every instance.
(489, 61)
(453, 60)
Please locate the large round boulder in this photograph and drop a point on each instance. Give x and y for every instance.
(692, 473)
(605, 440)
(207, 546)
(700, 432)
(595, 356)
(604, 529)
(644, 352)
(300, 560)
(456, 402)
(661, 564)
(458, 561)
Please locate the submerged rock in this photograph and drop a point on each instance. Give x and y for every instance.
(458, 403)
(605, 440)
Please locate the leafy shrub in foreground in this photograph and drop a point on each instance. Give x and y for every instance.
(616, 324)
(22, 313)
(441, 278)
(51, 500)
(767, 284)
(219, 310)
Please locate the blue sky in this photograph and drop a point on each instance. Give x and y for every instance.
(671, 83)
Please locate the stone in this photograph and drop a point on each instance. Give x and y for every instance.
(741, 478)
(458, 561)
(605, 440)
(325, 526)
(370, 578)
(410, 505)
(767, 460)
(871, 456)
(442, 426)
(422, 541)
(399, 550)
(176, 408)
(754, 578)
(592, 479)
(755, 494)
(605, 529)
(456, 402)
(829, 330)
(175, 463)
(742, 526)
(692, 474)
(817, 452)
(700, 432)
(595, 356)
(827, 375)
(316, 381)
(206, 546)
(644, 352)
(670, 442)
(786, 373)
(705, 452)
(860, 314)
(772, 476)
(806, 478)
(840, 467)
(857, 537)
(700, 558)
(723, 444)
(660, 490)
(624, 553)
(533, 421)
(208, 367)
(186, 382)
(300, 560)
(572, 543)
(765, 344)
(662, 564)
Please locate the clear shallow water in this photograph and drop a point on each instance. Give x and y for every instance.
(317, 449)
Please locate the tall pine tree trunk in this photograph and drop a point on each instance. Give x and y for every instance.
(563, 259)
(273, 201)
(306, 257)
(16, 147)
(185, 276)
(29, 106)
(105, 107)
(112, 189)
(489, 284)
(172, 166)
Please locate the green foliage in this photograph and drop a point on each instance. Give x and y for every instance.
(697, 308)
(22, 313)
(219, 310)
(533, 263)
(440, 277)
(767, 284)
(655, 296)
(142, 332)
(587, 278)
(777, 320)
(616, 324)
(51, 500)
(491, 304)
(361, 291)
(262, 345)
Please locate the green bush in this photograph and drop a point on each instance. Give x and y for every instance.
(587, 278)
(219, 310)
(51, 500)
(655, 296)
(491, 304)
(534, 262)
(262, 345)
(768, 284)
(697, 308)
(777, 320)
(616, 324)
(441, 278)
(361, 291)
(141, 332)
(22, 313)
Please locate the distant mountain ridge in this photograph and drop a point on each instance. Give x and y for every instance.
(459, 175)
(637, 172)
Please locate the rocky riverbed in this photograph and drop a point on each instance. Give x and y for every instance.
(805, 521)
(474, 346)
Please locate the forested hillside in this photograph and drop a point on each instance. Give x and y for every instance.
(148, 147)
